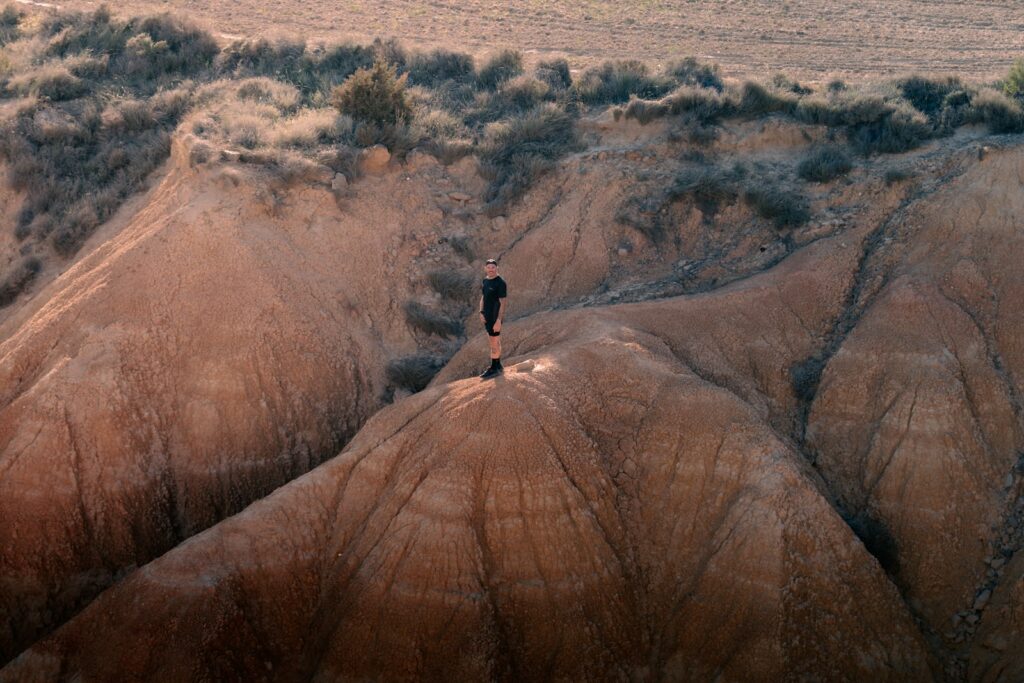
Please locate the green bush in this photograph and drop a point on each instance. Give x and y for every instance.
(825, 163)
(615, 82)
(375, 95)
(1013, 86)
(18, 279)
(413, 372)
(500, 68)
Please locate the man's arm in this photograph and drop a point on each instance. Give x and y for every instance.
(481, 307)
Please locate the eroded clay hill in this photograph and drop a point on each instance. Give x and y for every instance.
(794, 456)
(601, 511)
(216, 343)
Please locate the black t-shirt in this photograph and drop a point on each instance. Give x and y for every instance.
(493, 289)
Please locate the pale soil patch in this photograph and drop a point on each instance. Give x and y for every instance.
(809, 39)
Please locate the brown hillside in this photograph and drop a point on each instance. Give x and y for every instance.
(762, 418)
(517, 529)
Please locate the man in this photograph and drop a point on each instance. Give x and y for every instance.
(492, 312)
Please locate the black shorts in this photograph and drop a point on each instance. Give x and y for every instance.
(489, 325)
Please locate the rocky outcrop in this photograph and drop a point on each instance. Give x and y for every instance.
(613, 506)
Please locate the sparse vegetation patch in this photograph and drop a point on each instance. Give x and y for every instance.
(18, 278)
(825, 163)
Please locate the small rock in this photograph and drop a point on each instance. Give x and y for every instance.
(981, 601)
(633, 155)
(623, 251)
(230, 155)
(997, 562)
(972, 619)
(374, 160)
(1008, 481)
(339, 183)
(602, 156)
(459, 196)
(956, 620)
(498, 223)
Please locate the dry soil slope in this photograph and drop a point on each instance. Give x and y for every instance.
(601, 510)
(203, 350)
(918, 422)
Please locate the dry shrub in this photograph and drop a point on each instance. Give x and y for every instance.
(376, 96)
(500, 68)
(704, 104)
(53, 82)
(928, 95)
(18, 279)
(311, 128)
(825, 163)
(689, 71)
(283, 96)
(555, 73)
(517, 152)
(1013, 86)
(902, 130)
(524, 92)
(431, 322)
(997, 111)
(452, 285)
(413, 372)
(783, 207)
(434, 68)
(710, 186)
(757, 100)
(897, 175)
(615, 82)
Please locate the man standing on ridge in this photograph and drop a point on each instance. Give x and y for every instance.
(492, 312)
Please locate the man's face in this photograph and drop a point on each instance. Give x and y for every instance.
(491, 269)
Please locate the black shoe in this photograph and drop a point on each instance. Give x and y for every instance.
(491, 372)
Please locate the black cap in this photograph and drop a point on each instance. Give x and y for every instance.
(490, 260)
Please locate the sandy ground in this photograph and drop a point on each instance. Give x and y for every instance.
(809, 39)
